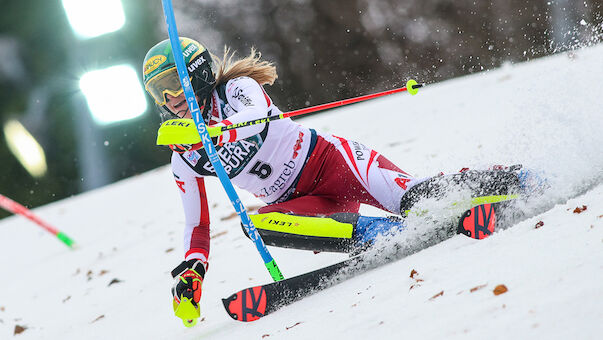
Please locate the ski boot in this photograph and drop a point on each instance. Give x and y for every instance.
(368, 229)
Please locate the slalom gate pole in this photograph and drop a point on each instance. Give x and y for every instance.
(411, 87)
(269, 262)
(16, 208)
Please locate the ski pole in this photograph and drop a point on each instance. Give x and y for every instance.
(179, 131)
(17, 208)
(411, 86)
(269, 262)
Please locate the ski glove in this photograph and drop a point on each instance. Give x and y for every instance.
(189, 278)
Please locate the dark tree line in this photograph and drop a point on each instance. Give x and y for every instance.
(328, 50)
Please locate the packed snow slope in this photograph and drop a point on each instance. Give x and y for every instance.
(546, 114)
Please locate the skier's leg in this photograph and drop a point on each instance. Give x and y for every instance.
(511, 182)
(353, 172)
(358, 173)
(336, 180)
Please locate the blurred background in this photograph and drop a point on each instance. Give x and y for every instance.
(74, 115)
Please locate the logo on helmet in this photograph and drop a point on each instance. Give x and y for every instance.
(189, 49)
(153, 63)
(193, 66)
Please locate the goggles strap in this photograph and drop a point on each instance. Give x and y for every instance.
(206, 108)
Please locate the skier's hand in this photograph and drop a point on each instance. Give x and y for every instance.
(189, 278)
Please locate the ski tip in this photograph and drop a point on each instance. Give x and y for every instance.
(226, 302)
(246, 305)
(478, 222)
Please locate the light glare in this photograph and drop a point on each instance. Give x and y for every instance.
(91, 18)
(113, 94)
(25, 148)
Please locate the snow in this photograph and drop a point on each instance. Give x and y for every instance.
(545, 114)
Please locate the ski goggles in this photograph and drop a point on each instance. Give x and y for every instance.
(166, 82)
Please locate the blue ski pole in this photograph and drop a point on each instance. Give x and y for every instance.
(269, 262)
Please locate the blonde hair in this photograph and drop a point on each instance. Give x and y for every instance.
(264, 72)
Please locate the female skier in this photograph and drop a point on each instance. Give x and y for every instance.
(300, 173)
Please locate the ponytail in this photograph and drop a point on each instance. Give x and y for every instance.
(252, 66)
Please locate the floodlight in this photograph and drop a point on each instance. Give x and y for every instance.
(91, 18)
(113, 94)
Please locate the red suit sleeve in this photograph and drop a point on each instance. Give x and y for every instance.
(196, 211)
(199, 241)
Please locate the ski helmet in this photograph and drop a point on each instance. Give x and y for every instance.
(161, 77)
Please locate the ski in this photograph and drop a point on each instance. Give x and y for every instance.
(253, 303)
